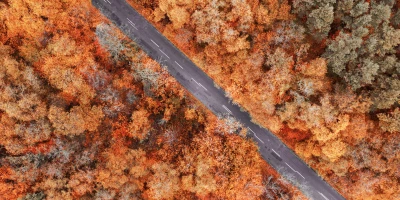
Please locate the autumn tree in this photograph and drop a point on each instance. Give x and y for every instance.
(78, 120)
(164, 184)
(109, 41)
(120, 174)
(177, 12)
(21, 92)
(140, 125)
(390, 122)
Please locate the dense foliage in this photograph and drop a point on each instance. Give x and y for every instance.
(85, 114)
(323, 75)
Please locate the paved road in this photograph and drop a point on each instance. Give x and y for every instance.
(202, 87)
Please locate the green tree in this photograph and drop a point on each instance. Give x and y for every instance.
(319, 21)
(342, 50)
(363, 54)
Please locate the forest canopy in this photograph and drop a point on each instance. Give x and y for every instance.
(323, 75)
(86, 114)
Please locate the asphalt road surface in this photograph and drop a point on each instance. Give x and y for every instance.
(202, 87)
